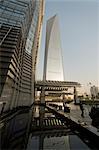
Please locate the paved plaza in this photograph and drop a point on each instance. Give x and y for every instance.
(75, 112)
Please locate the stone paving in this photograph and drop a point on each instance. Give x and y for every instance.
(75, 112)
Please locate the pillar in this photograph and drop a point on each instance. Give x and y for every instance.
(75, 95)
(42, 96)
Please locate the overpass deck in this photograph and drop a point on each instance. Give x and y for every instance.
(55, 85)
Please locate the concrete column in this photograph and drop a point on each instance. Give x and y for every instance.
(41, 141)
(63, 97)
(35, 94)
(75, 95)
(42, 96)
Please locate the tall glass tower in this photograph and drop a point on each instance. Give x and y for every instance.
(20, 28)
(53, 63)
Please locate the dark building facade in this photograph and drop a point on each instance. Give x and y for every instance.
(20, 29)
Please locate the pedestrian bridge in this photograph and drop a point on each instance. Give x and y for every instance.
(50, 85)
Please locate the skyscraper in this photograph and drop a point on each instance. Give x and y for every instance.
(20, 28)
(53, 65)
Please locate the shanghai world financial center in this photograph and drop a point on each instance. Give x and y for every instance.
(20, 28)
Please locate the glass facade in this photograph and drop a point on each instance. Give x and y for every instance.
(20, 27)
(19, 12)
(53, 63)
(31, 34)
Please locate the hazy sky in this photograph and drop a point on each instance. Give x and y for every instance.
(79, 29)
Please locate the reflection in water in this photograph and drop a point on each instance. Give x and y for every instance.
(53, 140)
(58, 142)
(36, 111)
(14, 133)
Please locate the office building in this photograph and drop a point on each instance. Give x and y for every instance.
(53, 61)
(20, 28)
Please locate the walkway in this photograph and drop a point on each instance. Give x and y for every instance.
(75, 112)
